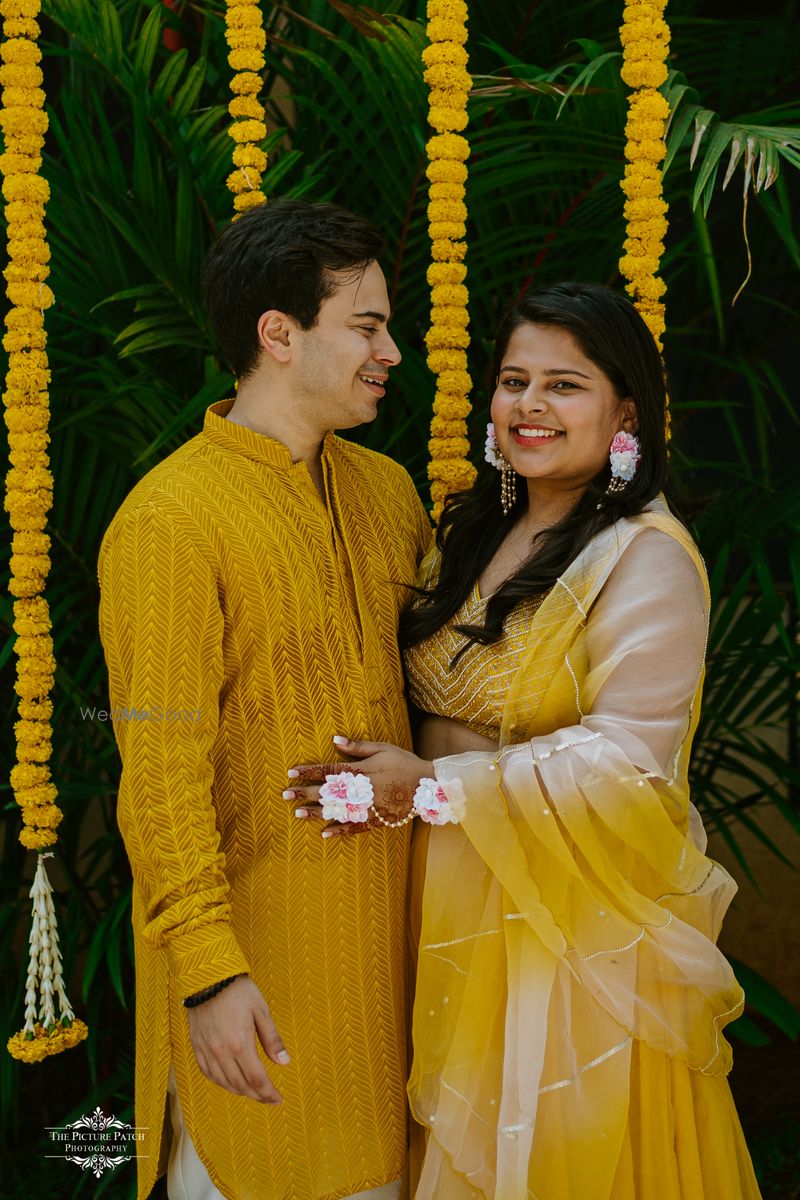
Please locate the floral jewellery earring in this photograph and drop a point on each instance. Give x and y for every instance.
(624, 456)
(508, 484)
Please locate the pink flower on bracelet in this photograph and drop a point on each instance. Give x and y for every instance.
(431, 803)
(346, 797)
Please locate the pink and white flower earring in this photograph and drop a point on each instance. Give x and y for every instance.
(624, 456)
(508, 484)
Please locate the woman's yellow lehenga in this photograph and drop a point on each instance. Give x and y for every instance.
(570, 997)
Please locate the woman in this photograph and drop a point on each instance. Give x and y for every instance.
(570, 999)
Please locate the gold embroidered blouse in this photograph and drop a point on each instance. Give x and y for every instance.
(473, 691)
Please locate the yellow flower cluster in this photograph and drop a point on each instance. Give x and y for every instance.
(645, 41)
(29, 484)
(246, 39)
(44, 1042)
(449, 82)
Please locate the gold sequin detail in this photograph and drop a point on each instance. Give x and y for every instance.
(474, 691)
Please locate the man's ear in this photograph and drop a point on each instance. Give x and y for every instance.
(274, 328)
(630, 417)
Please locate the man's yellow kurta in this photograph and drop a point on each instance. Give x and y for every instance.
(245, 623)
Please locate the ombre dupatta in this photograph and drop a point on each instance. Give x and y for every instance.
(569, 922)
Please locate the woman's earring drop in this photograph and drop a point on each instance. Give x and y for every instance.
(624, 457)
(508, 484)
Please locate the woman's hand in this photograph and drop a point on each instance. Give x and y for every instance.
(394, 773)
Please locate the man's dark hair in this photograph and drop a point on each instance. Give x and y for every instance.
(281, 255)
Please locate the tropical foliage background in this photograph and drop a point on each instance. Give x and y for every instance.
(137, 157)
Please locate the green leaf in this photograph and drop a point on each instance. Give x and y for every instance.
(147, 43)
(765, 999)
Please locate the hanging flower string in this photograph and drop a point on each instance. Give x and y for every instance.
(645, 43)
(246, 38)
(28, 498)
(447, 339)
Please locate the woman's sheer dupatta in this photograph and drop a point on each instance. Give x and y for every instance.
(573, 912)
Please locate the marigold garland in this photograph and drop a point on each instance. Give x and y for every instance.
(449, 82)
(28, 498)
(246, 38)
(645, 42)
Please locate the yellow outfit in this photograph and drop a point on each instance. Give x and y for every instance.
(247, 622)
(570, 997)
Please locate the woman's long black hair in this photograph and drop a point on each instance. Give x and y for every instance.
(614, 337)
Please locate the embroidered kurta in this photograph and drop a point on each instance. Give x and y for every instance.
(570, 999)
(245, 622)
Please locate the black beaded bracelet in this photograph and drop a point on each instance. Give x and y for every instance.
(208, 993)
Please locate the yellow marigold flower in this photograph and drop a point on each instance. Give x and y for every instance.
(21, 27)
(34, 840)
(444, 119)
(642, 129)
(23, 98)
(23, 415)
(445, 52)
(448, 77)
(33, 800)
(246, 106)
(29, 249)
(36, 710)
(447, 360)
(442, 427)
(20, 75)
(25, 188)
(447, 210)
(447, 191)
(40, 816)
(446, 251)
(31, 294)
(448, 145)
(29, 481)
(442, 30)
(454, 381)
(644, 74)
(446, 171)
(646, 150)
(23, 121)
(43, 1043)
(242, 16)
(453, 471)
(20, 8)
(248, 200)
(20, 51)
(244, 180)
(248, 131)
(248, 155)
(442, 338)
(448, 295)
(245, 59)
(648, 106)
(246, 39)
(246, 83)
(453, 315)
(452, 231)
(448, 447)
(452, 10)
(446, 272)
(25, 776)
(38, 645)
(16, 273)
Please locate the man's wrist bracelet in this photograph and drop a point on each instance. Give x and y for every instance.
(208, 993)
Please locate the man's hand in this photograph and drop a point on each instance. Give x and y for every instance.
(223, 1032)
(395, 775)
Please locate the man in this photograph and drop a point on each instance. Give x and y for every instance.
(249, 610)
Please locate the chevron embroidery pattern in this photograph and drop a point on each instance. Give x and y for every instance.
(245, 622)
